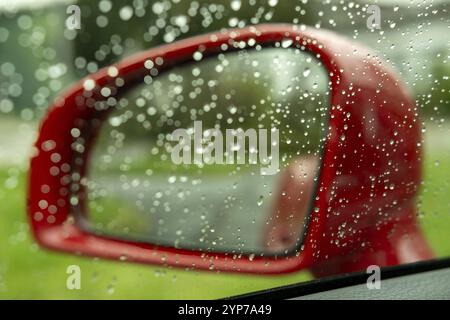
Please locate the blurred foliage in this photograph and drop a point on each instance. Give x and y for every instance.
(37, 40)
(435, 101)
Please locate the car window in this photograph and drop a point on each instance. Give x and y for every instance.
(133, 189)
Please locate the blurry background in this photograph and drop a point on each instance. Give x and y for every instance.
(39, 57)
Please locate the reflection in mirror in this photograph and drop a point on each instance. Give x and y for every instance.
(219, 155)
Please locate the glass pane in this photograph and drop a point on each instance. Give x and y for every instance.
(245, 185)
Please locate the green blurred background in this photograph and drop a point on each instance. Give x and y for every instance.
(39, 57)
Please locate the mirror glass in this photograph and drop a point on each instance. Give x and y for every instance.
(220, 154)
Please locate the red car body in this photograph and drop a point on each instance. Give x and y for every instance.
(364, 206)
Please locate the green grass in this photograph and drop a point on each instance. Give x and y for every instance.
(27, 271)
(434, 202)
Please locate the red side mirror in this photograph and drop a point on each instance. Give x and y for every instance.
(362, 211)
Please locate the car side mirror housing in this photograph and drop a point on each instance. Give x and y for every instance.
(365, 169)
